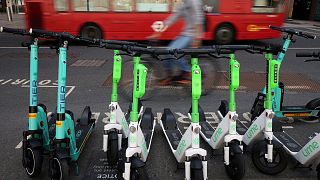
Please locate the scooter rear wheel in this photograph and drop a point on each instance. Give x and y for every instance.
(33, 162)
(139, 174)
(279, 161)
(112, 153)
(61, 169)
(236, 167)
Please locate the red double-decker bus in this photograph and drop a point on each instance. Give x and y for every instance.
(226, 20)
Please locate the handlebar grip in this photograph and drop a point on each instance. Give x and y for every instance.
(307, 54)
(13, 30)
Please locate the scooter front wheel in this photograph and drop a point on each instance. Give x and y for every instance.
(196, 169)
(33, 162)
(279, 159)
(139, 174)
(112, 153)
(60, 169)
(236, 167)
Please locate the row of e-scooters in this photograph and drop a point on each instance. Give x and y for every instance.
(63, 139)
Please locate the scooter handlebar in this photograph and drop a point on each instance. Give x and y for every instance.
(14, 30)
(123, 43)
(292, 31)
(53, 35)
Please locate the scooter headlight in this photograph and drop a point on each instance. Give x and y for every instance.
(132, 129)
(271, 115)
(235, 117)
(112, 107)
(196, 130)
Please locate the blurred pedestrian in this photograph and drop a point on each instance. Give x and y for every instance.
(192, 13)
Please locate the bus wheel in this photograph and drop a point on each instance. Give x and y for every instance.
(225, 34)
(91, 31)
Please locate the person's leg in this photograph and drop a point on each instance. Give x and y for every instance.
(179, 43)
(183, 42)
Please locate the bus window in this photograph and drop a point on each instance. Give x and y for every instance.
(98, 5)
(176, 4)
(152, 6)
(122, 5)
(91, 5)
(268, 6)
(80, 5)
(61, 5)
(211, 6)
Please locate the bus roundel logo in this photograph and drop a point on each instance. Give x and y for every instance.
(157, 26)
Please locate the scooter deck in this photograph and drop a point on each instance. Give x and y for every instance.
(288, 141)
(82, 134)
(207, 129)
(294, 108)
(174, 137)
(146, 125)
(147, 135)
(170, 128)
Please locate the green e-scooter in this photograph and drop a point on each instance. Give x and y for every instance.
(225, 135)
(186, 147)
(268, 154)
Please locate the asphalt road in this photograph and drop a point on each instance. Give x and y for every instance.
(89, 68)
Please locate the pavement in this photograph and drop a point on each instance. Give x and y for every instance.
(18, 21)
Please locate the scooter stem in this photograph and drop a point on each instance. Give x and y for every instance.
(196, 89)
(116, 75)
(33, 101)
(62, 75)
(234, 69)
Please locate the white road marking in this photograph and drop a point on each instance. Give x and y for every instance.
(213, 116)
(67, 94)
(298, 87)
(287, 127)
(95, 115)
(182, 117)
(19, 145)
(106, 119)
(246, 116)
(159, 115)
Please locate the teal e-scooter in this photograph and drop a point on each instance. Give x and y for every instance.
(36, 140)
(70, 137)
(310, 111)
